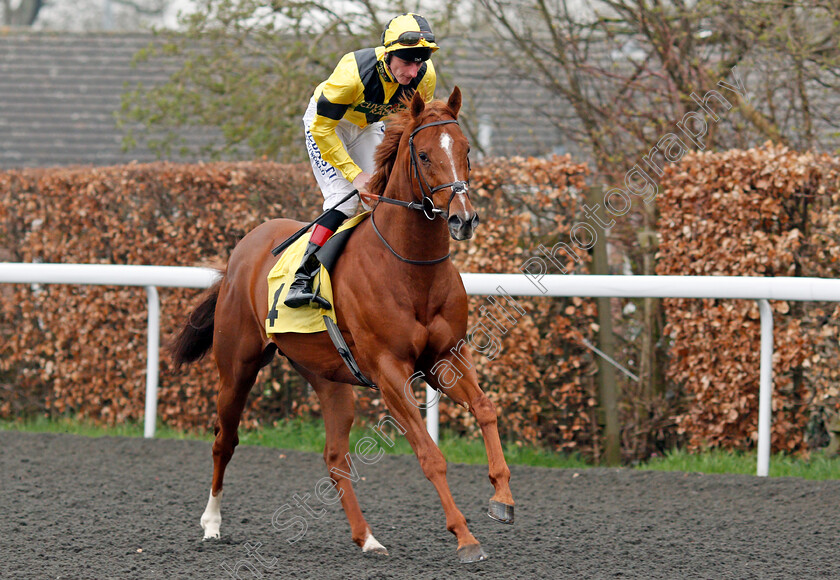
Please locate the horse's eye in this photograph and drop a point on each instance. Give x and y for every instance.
(423, 157)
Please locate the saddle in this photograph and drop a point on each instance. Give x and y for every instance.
(280, 317)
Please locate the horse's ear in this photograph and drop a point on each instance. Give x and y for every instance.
(454, 101)
(417, 104)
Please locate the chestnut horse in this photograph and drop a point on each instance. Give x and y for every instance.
(400, 306)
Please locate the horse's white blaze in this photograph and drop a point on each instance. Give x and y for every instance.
(446, 145)
(371, 544)
(211, 519)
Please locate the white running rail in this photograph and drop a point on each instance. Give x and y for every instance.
(150, 277)
(720, 287)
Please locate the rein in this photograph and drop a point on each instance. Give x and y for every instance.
(426, 205)
(406, 260)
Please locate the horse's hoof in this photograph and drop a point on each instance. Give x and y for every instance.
(211, 527)
(471, 553)
(501, 512)
(373, 547)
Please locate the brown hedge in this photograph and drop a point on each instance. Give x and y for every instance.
(766, 211)
(81, 350)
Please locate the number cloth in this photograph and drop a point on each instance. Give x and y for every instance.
(280, 317)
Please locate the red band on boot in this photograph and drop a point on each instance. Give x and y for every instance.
(320, 235)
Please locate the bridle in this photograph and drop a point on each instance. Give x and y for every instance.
(427, 204)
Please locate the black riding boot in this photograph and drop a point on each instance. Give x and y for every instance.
(300, 292)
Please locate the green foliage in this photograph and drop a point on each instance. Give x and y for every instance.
(817, 466)
(87, 428)
(242, 69)
(301, 435)
(308, 435)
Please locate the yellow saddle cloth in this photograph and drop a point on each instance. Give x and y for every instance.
(281, 318)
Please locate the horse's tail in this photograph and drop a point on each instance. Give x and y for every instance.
(196, 338)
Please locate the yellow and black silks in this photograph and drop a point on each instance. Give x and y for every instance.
(362, 91)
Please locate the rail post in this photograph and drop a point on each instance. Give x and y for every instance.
(152, 355)
(765, 389)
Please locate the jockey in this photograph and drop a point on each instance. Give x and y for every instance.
(343, 127)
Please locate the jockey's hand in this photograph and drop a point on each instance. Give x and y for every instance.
(361, 182)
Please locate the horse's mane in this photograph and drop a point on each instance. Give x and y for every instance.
(397, 125)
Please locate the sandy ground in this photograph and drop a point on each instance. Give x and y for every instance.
(75, 507)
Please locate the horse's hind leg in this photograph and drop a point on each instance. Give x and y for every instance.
(338, 402)
(239, 355)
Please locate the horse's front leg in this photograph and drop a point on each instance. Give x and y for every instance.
(455, 376)
(391, 379)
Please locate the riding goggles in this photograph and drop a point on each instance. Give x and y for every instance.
(412, 38)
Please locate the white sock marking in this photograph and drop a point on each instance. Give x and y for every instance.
(372, 544)
(211, 519)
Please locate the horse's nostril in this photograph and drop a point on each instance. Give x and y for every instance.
(455, 221)
(475, 220)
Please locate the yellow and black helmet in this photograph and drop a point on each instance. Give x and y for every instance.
(409, 37)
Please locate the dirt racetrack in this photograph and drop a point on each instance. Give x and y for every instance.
(75, 507)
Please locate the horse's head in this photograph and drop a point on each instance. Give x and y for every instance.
(440, 162)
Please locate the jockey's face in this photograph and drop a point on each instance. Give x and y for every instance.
(403, 70)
